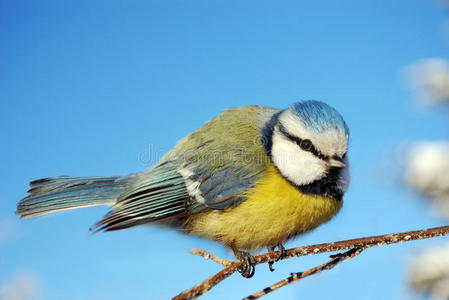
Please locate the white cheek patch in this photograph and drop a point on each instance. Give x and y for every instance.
(192, 185)
(298, 166)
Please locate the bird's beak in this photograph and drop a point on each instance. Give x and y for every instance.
(336, 162)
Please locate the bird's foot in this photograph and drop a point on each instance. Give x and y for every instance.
(282, 254)
(248, 263)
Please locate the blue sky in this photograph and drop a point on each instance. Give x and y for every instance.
(105, 87)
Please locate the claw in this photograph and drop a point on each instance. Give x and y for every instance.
(282, 251)
(248, 263)
(281, 255)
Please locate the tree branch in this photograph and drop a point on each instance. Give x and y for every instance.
(336, 259)
(359, 243)
(207, 255)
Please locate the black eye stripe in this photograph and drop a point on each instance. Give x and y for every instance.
(298, 141)
(288, 135)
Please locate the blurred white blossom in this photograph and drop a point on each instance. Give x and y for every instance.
(427, 172)
(23, 286)
(429, 273)
(430, 77)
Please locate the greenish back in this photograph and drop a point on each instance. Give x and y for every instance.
(232, 139)
(227, 154)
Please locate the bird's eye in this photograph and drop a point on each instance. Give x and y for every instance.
(306, 145)
(344, 155)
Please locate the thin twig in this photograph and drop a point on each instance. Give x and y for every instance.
(364, 243)
(336, 259)
(207, 255)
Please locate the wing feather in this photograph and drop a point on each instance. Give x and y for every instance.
(156, 194)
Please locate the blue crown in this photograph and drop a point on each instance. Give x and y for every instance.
(319, 116)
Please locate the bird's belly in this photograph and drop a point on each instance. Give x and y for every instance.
(273, 212)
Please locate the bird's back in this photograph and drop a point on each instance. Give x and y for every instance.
(233, 138)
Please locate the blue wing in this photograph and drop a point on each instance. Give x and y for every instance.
(165, 191)
(222, 188)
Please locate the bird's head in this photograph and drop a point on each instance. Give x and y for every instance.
(308, 143)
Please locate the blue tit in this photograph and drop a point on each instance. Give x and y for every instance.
(253, 176)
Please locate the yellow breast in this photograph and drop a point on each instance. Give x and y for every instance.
(273, 212)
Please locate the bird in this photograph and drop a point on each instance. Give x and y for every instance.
(252, 177)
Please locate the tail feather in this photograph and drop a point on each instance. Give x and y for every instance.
(50, 195)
